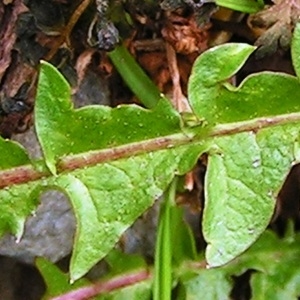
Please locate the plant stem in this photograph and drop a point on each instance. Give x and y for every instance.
(197, 134)
(136, 79)
(163, 253)
(105, 286)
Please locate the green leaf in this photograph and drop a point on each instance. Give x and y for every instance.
(122, 262)
(12, 155)
(57, 282)
(260, 95)
(141, 152)
(241, 189)
(92, 127)
(110, 203)
(277, 276)
(213, 284)
(272, 260)
(107, 197)
(114, 163)
(213, 67)
(246, 6)
(17, 204)
(63, 131)
(53, 87)
(295, 49)
(245, 170)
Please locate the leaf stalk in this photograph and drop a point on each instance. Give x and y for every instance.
(163, 253)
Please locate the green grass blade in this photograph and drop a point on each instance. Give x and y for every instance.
(163, 253)
(246, 6)
(136, 79)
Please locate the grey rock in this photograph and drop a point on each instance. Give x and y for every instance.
(48, 233)
(141, 236)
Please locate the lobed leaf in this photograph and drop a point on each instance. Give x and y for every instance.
(108, 196)
(244, 176)
(92, 127)
(143, 149)
(245, 170)
(215, 100)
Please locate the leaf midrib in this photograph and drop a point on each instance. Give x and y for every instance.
(191, 135)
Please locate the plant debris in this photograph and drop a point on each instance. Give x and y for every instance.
(274, 25)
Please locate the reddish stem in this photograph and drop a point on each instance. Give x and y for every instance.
(23, 174)
(105, 286)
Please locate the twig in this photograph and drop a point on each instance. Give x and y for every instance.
(68, 29)
(178, 99)
(149, 45)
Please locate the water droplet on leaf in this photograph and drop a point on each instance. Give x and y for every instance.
(256, 163)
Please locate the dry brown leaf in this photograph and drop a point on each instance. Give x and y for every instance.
(82, 63)
(184, 34)
(7, 32)
(19, 73)
(274, 25)
(155, 65)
